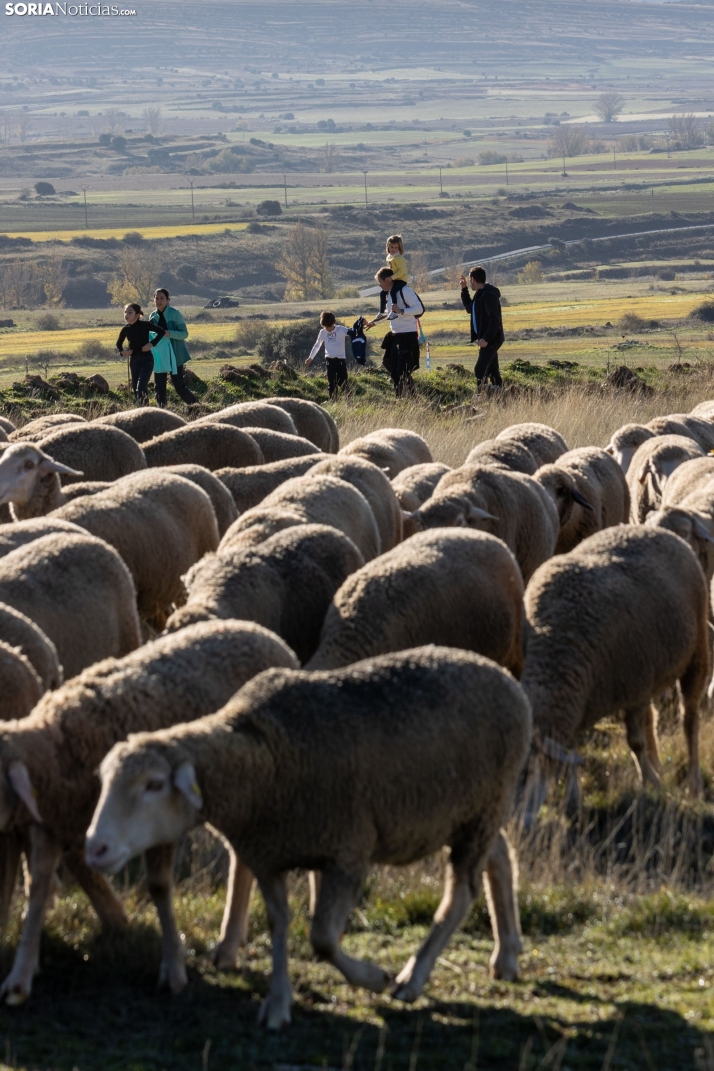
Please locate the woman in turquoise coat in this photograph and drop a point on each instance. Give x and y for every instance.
(171, 353)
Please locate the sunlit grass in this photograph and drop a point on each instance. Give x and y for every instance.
(166, 231)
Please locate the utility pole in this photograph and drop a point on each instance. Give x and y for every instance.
(652, 192)
(285, 184)
(365, 188)
(614, 159)
(564, 171)
(506, 172)
(441, 187)
(193, 211)
(84, 190)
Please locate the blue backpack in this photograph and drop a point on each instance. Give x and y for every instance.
(358, 340)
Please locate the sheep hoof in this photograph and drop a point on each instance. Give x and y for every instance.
(274, 1012)
(406, 992)
(14, 993)
(172, 976)
(504, 970)
(224, 959)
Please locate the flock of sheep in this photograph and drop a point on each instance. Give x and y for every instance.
(334, 658)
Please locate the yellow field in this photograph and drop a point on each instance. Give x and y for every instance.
(119, 232)
(28, 342)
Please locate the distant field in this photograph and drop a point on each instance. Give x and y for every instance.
(167, 231)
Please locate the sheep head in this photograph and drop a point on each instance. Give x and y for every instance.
(23, 468)
(560, 485)
(450, 511)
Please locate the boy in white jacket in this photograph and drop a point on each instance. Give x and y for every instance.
(332, 336)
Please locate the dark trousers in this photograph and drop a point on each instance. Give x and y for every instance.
(487, 366)
(401, 358)
(177, 382)
(336, 374)
(141, 366)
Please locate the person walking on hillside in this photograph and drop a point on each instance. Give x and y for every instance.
(401, 306)
(486, 324)
(170, 359)
(333, 337)
(136, 338)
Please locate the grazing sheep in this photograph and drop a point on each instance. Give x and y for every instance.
(277, 446)
(375, 487)
(19, 631)
(545, 443)
(143, 424)
(7, 425)
(160, 524)
(589, 491)
(312, 422)
(316, 500)
(507, 504)
(286, 584)
(686, 478)
(453, 588)
(40, 428)
(19, 683)
(390, 449)
(49, 763)
(705, 411)
(264, 523)
(653, 464)
(613, 623)
(692, 519)
(214, 446)
(382, 762)
(99, 453)
(221, 499)
(413, 486)
(625, 443)
(3, 435)
(79, 592)
(251, 485)
(510, 453)
(84, 487)
(254, 415)
(17, 535)
(685, 424)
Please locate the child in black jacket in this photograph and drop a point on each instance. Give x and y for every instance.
(135, 334)
(486, 324)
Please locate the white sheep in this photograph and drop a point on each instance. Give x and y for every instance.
(589, 491)
(390, 449)
(545, 443)
(652, 465)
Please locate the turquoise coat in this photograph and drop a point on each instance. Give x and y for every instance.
(178, 331)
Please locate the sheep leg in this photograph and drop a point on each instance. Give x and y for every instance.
(159, 873)
(651, 740)
(314, 882)
(11, 848)
(338, 894)
(104, 900)
(451, 912)
(45, 854)
(636, 721)
(234, 928)
(275, 1009)
(500, 886)
(691, 685)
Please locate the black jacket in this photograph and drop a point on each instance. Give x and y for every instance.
(488, 314)
(137, 335)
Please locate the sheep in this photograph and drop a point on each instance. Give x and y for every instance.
(286, 584)
(17, 630)
(376, 488)
(84, 487)
(143, 424)
(384, 761)
(17, 535)
(510, 453)
(253, 414)
(49, 763)
(7, 425)
(41, 427)
(686, 478)
(625, 442)
(212, 445)
(29, 479)
(413, 486)
(685, 424)
(263, 524)
(589, 491)
(391, 449)
(21, 686)
(251, 485)
(221, 499)
(99, 453)
(451, 587)
(692, 519)
(508, 504)
(653, 464)
(79, 592)
(312, 422)
(705, 411)
(315, 500)
(3, 435)
(160, 523)
(544, 442)
(608, 626)
(277, 446)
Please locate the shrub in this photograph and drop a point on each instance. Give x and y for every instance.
(248, 335)
(492, 158)
(118, 144)
(704, 312)
(291, 344)
(269, 208)
(133, 238)
(187, 272)
(229, 161)
(532, 273)
(44, 189)
(463, 161)
(632, 322)
(105, 139)
(48, 322)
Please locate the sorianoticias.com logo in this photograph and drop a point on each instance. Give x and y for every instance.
(67, 9)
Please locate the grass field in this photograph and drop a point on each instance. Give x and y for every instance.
(169, 231)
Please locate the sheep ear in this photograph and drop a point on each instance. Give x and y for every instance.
(476, 514)
(406, 516)
(20, 780)
(610, 450)
(701, 531)
(185, 781)
(582, 500)
(48, 464)
(643, 473)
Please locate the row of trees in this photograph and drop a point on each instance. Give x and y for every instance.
(17, 123)
(29, 284)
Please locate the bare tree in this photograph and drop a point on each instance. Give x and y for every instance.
(609, 105)
(154, 120)
(330, 157)
(21, 285)
(6, 126)
(136, 280)
(419, 269)
(686, 130)
(304, 264)
(54, 276)
(568, 141)
(111, 120)
(22, 125)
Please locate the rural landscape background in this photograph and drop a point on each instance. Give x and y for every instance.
(262, 153)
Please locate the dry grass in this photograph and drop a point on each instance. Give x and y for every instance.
(166, 231)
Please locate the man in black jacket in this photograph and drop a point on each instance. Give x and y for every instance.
(486, 324)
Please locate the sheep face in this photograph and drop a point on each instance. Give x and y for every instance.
(452, 511)
(690, 526)
(625, 442)
(145, 800)
(22, 468)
